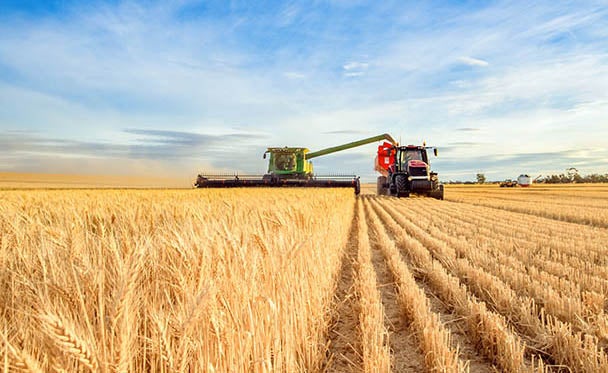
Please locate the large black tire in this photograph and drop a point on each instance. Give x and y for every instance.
(381, 189)
(402, 189)
(357, 186)
(437, 193)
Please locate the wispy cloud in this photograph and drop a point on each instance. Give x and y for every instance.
(353, 73)
(354, 68)
(473, 61)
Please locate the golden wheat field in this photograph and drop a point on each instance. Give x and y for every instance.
(304, 280)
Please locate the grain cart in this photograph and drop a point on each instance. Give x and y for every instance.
(291, 167)
(405, 170)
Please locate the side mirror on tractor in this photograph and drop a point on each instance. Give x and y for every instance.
(435, 151)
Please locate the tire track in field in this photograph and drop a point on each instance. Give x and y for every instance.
(344, 349)
(478, 363)
(456, 325)
(406, 356)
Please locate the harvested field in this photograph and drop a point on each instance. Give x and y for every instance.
(293, 280)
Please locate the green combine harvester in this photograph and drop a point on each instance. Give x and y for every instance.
(291, 167)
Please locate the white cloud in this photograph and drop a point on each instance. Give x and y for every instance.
(289, 14)
(355, 66)
(473, 61)
(354, 73)
(355, 69)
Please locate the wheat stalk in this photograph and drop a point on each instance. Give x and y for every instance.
(21, 359)
(67, 341)
(166, 355)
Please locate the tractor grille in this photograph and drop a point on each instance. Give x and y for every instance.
(417, 171)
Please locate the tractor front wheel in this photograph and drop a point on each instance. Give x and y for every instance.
(437, 193)
(402, 187)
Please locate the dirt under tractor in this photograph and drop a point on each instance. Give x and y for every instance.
(406, 170)
(291, 167)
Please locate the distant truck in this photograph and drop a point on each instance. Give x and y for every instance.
(508, 183)
(524, 180)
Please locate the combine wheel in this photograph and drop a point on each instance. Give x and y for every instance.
(381, 188)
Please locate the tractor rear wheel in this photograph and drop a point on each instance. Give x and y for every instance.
(381, 188)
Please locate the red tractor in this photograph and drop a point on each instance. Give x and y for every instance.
(406, 170)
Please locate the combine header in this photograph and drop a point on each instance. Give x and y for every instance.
(291, 167)
(405, 170)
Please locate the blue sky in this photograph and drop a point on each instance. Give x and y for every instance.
(144, 87)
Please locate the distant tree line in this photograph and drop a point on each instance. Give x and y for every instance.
(572, 176)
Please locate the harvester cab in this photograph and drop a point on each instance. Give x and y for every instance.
(406, 170)
(288, 161)
(291, 167)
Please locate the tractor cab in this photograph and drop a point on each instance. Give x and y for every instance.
(409, 153)
(413, 160)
